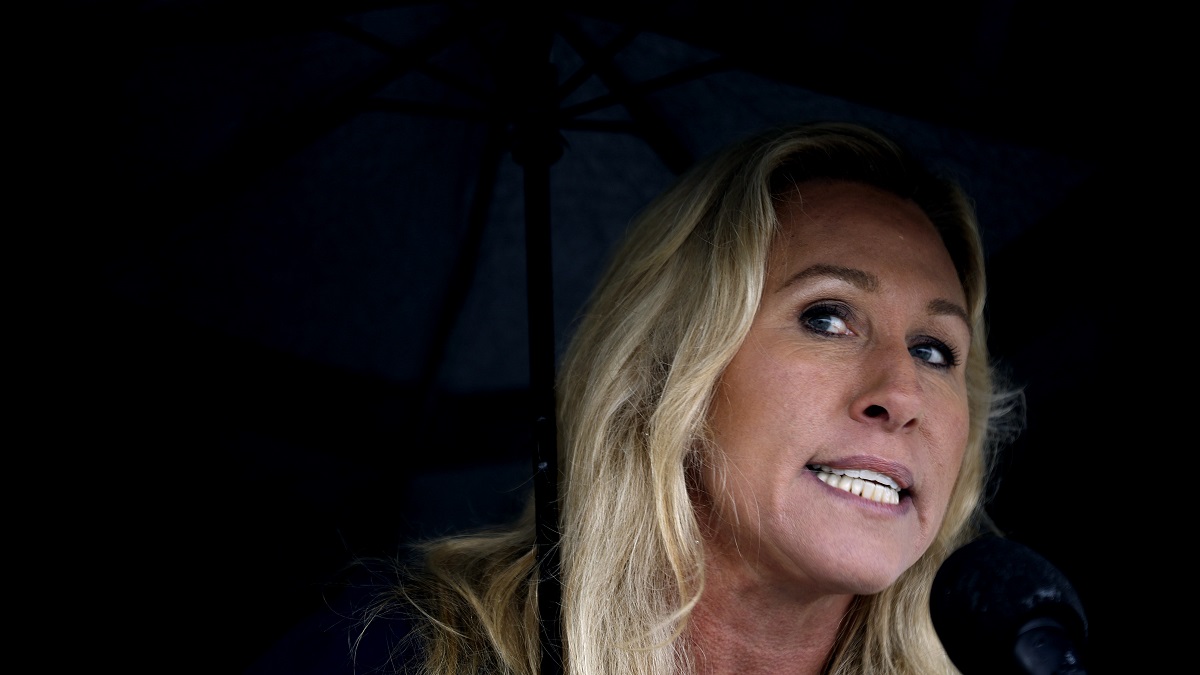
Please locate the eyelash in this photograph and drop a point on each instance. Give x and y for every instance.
(844, 314)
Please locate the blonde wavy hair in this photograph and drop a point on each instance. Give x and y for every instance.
(633, 394)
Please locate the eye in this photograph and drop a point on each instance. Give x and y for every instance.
(936, 353)
(826, 319)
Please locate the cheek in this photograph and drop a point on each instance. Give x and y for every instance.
(748, 420)
(762, 404)
(738, 399)
(949, 441)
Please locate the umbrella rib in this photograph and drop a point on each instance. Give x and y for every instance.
(650, 126)
(463, 275)
(426, 109)
(674, 78)
(604, 53)
(256, 150)
(607, 126)
(419, 53)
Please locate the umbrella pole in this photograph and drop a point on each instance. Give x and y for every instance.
(541, 344)
(536, 145)
(531, 82)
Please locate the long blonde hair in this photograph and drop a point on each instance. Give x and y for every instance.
(633, 392)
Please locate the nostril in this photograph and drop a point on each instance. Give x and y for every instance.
(875, 411)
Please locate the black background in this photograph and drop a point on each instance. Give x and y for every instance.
(205, 484)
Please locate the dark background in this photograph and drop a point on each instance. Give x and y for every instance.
(248, 375)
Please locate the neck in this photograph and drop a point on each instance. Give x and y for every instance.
(742, 626)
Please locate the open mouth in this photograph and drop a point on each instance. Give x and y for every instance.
(867, 484)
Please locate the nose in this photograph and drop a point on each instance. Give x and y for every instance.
(891, 393)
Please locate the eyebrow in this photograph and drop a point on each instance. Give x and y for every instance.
(869, 282)
(941, 306)
(856, 277)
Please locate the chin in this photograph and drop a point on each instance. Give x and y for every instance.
(862, 574)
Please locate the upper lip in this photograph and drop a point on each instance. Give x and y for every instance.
(893, 470)
(865, 474)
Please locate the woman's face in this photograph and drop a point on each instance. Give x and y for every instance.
(841, 422)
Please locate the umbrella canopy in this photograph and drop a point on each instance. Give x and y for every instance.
(315, 279)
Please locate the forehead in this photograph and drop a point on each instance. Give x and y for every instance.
(857, 225)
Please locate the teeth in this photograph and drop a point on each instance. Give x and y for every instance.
(867, 484)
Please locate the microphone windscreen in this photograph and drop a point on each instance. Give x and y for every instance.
(987, 592)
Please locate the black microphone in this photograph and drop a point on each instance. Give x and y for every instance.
(1000, 608)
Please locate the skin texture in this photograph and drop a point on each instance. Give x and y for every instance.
(862, 305)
